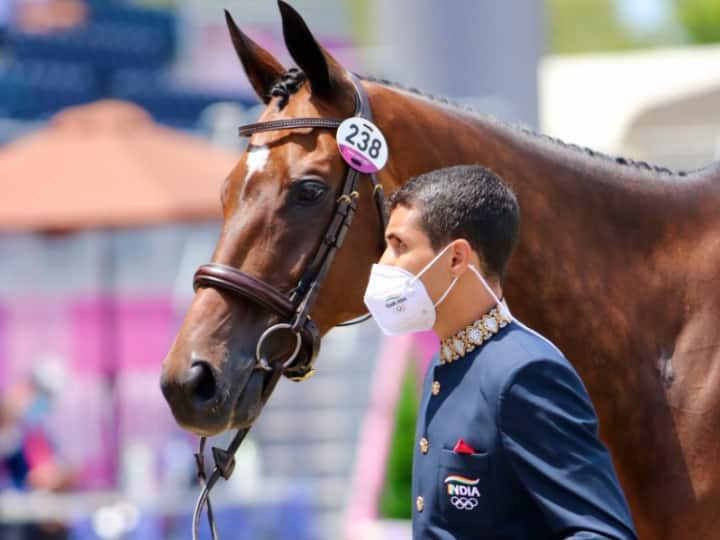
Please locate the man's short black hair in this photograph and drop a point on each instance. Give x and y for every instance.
(470, 202)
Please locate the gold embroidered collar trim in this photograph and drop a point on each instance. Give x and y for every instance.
(472, 336)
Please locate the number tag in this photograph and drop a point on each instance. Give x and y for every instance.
(362, 144)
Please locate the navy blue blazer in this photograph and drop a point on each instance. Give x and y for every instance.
(538, 470)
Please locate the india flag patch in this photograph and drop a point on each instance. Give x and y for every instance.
(461, 485)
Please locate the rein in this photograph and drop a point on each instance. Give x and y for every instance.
(294, 307)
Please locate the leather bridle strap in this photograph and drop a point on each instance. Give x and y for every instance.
(288, 123)
(226, 277)
(314, 275)
(309, 285)
(224, 466)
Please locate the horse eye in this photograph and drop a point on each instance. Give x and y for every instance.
(309, 192)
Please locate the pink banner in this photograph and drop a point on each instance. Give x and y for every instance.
(110, 352)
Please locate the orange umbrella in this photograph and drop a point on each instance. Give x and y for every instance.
(108, 164)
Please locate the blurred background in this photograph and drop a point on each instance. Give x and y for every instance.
(117, 126)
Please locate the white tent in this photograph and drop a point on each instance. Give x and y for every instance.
(593, 100)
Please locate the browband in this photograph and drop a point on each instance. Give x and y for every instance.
(288, 123)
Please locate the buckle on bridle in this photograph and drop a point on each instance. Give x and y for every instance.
(305, 377)
(348, 197)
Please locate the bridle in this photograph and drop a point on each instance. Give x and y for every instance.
(293, 308)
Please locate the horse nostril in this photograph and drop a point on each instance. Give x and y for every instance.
(200, 384)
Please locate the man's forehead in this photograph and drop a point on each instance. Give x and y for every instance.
(403, 216)
(404, 221)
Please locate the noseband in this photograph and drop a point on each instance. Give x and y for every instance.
(292, 308)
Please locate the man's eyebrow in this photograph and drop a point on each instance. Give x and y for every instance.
(393, 236)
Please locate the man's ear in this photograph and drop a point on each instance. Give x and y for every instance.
(462, 255)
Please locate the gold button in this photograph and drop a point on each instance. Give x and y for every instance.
(435, 388)
(420, 504)
(424, 445)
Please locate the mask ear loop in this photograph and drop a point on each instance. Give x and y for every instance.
(447, 291)
(433, 261)
(504, 310)
(428, 265)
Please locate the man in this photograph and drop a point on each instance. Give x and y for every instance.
(507, 441)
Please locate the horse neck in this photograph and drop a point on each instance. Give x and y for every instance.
(590, 227)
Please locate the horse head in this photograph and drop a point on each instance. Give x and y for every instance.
(278, 204)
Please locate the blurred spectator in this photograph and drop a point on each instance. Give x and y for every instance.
(28, 460)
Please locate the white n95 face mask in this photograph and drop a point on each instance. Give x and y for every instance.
(398, 300)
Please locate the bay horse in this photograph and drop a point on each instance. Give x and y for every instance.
(618, 263)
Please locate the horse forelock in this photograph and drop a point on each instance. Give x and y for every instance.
(288, 84)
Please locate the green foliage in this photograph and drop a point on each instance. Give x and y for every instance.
(360, 14)
(396, 499)
(701, 19)
(586, 25)
(594, 25)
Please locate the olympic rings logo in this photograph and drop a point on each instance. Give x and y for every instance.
(464, 503)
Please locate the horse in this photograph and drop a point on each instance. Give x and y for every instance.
(618, 262)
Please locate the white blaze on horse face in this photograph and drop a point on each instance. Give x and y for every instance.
(256, 160)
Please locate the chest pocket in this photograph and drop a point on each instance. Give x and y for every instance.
(465, 491)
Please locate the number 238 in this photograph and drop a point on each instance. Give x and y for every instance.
(367, 143)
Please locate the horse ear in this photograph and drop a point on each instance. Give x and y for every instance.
(260, 66)
(323, 72)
